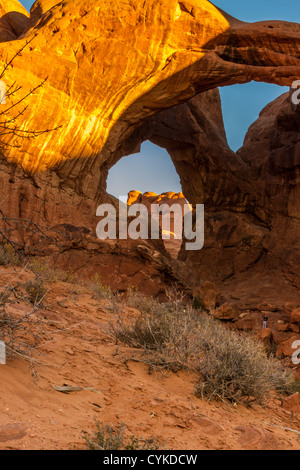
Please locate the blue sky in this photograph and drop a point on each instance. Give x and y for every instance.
(152, 169)
(27, 4)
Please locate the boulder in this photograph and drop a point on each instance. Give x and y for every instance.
(227, 311)
(295, 316)
(292, 403)
(248, 323)
(208, 295)
(283, 326)
(295, 328)
(14, 20)
(265, 334)
(285, 349)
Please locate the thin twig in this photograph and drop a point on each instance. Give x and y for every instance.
(282, 427)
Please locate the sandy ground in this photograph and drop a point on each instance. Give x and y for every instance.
(76, 350)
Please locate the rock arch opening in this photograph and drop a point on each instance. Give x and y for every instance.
(242, 105)
(234, 186)
(150, 170)
(150, 178)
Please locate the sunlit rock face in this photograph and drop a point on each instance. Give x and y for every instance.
(120, 73)
(110, 65)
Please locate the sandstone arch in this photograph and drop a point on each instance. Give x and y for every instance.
(108, 102)
(177, 50)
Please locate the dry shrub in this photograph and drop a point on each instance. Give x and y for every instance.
(231, 366)
(135, 299)
(8, 255)
(113, 438)
(235, 366)
(20, 333)
(99, 290)
(36, 291)
(43, 270)
(4, 298)
(163, 332)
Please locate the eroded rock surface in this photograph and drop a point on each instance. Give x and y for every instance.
(112, 65)
(256, 242)
(123, 72)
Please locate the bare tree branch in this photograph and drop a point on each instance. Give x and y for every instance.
(9, 125)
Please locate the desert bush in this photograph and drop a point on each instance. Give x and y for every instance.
(149, 304)
(4, 298)
(139, 301)
(8, 255)
(21, 331)
(43, 270)
(113, 438)
(99, 290)
(36, 291)
(235, 366)
(21, 334)
(230, 365)
(165, 334)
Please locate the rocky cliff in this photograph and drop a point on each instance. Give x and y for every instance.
(119, 73)
(111, 66)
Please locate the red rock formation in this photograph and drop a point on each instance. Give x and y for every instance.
(258, 241)
(121, 73)
(99, 95)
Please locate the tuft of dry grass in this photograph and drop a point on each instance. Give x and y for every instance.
(98, 289)
(43, 270)
(163, 331)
